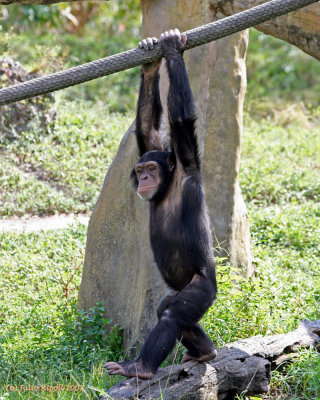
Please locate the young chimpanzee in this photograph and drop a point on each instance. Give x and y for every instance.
(170, 179)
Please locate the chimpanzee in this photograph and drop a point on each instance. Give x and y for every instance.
(169, 177)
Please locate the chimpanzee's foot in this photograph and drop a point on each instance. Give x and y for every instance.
(204, 358)
(129, 368)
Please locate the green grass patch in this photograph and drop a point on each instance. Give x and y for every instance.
(44, 340)
(36, 36)
(280, 163)
(286, 288)
(61, 171)
(299, 380)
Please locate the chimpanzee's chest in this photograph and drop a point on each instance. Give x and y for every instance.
(171, 249)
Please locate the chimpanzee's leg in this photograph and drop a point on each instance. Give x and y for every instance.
(198, 343)
(157, 346)
(184, 311)
(165, 301)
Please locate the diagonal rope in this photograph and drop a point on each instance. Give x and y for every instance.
(132, 58)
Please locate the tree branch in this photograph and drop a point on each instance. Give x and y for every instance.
(301, 28)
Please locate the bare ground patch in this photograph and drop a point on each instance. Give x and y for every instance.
(35, 223)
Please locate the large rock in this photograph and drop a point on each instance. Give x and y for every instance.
(119, 267)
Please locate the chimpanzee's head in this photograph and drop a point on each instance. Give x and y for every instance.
(152, 174)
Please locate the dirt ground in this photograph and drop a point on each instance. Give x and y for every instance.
(34, 224)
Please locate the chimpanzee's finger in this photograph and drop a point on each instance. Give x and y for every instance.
(177, 32)
(150, 43)
(184, 39)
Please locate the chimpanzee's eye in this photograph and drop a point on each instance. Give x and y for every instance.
(138, 171)
(152, 168)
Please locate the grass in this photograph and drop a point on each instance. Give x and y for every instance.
(286, 247)
(280, 160)
(61, 171)
(44, 340)
(301, 377)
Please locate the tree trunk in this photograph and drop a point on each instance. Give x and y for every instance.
(241, 367)
(301, 28)
(119, 266)
(222, 126)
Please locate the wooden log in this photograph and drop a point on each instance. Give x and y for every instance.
(242, 367)
(300, 28)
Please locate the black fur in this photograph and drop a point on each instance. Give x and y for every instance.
(179, 225)
(149, 111)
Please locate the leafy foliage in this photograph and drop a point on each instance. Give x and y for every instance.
(278, 71)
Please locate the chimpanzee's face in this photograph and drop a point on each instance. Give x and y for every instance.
(149, 178)
(152, 174)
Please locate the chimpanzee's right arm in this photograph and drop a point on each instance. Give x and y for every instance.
(149, 105)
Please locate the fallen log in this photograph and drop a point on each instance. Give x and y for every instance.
(242, 367)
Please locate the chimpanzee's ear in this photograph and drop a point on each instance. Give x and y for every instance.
(171, 162)
(133, 177)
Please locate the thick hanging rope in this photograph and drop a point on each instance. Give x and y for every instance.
(132, 58)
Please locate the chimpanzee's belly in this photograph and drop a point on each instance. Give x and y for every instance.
(175, 269)
(177, 277)
(173, 242)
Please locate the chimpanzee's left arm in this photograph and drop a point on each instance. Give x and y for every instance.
(181, 108)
